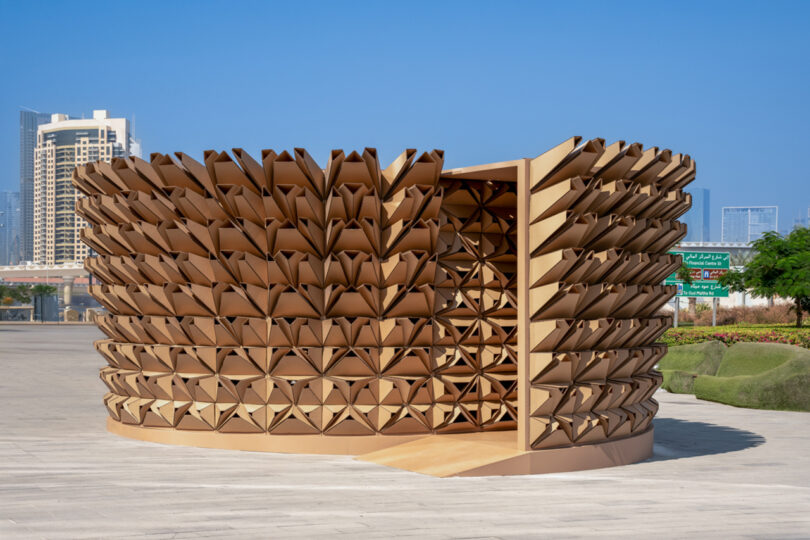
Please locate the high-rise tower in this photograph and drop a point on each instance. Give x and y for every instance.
(29, 122)
(698, 218)
(62, 144)
(9, 227)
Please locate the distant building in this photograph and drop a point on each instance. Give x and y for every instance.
(748, 223)
(29, 122)
(62, 144)
(9, 228)
(698, 217)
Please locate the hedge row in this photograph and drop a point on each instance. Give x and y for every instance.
(754, 375)
(736, 334)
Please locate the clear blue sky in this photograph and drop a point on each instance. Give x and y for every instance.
(727, 82)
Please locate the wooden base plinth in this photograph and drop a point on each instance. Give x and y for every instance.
(262, 442)
(467, 454)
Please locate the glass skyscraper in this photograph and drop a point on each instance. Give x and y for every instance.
(698, 217)
(9, 228)
(29, 122)
(748, 223)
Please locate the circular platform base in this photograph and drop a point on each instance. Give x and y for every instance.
(262, 442)
(464, 454)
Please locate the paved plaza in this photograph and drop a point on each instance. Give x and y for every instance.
(718, 471)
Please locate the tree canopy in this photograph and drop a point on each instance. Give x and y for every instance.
(684, 274)
(15, 293)
(780, 266)
(24, 293)
(43, 290)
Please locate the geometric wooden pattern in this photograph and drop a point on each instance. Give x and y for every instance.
(601, 219)
(279, 297)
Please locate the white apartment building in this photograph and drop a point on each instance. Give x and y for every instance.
(61, 145)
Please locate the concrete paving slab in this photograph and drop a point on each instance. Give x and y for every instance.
(717, 471)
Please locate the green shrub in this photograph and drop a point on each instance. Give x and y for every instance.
(754, 375)
(699, 358)
(785, 387)
(678, 382)
(775, 315)
(754, 358)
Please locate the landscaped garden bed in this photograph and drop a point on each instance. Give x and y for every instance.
(731, 334)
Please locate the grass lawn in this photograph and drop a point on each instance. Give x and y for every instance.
(753, 375)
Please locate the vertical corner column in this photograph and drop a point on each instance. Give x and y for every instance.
(523, 301)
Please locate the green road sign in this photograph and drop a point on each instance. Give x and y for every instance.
(702, 289)
(702, 259)
(705, 269)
